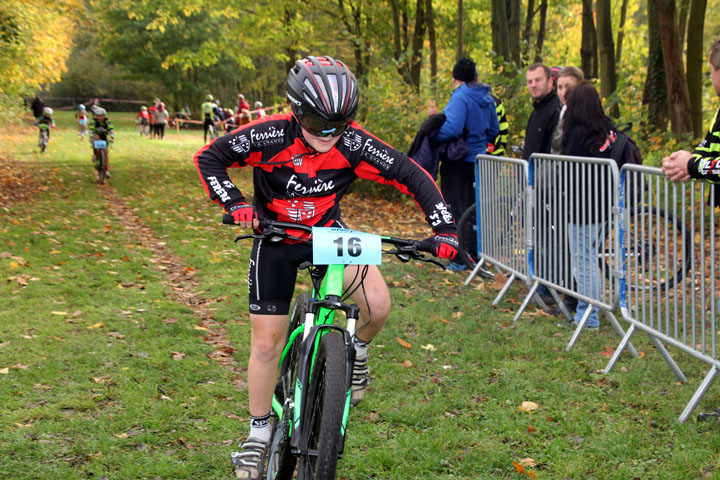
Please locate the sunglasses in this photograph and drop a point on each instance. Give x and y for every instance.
(319, 127)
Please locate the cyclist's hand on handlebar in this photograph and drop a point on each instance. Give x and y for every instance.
(244, 215)
(445, 245)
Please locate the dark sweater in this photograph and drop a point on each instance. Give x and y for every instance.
(541, 125)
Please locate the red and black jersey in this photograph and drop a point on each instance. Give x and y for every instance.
(293, 183)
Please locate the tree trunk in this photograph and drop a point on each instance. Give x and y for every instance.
(433, 44)
(541, 31)
(678, 96)
(621, 31)
(514, 33)
(682, 19)
(527, 31)
(695, 50)
(608, 74)
(588, 47)
(500, 30)
(655, 93)
(460, 30)
(417, 44)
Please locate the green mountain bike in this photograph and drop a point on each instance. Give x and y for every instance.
(312, 397)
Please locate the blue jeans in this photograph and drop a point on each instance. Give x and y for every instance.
(583, 241)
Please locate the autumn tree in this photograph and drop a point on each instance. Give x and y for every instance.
(35, 42)
(678, 95)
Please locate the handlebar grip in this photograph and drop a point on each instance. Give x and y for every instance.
(228, 219)
(425, 245)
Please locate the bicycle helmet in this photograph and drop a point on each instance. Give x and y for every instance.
(48, 111)
(209, 98)
(144, 108)
(81, 107)
(99, 111)
(323, 95)
(258, 104)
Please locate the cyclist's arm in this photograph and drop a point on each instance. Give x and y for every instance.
(383, 164)
(705, 159)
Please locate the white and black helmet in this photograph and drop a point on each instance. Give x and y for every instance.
(324, 88)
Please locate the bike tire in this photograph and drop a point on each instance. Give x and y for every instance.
(102, 166)
(43, 141)
(640, 252)
(323, 411)
(467, 237)
(281, 462)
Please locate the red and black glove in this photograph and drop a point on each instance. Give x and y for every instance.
(243, 214)
(445, 245)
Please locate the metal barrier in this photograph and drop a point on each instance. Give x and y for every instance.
(574, 246)
(670, 285)
(501, 202)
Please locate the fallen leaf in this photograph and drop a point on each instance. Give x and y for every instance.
(55, 312)
(528, 406)
(457, 314)
(407, 364)
(532, 429)
(518, 468)
(403, 343)
(429, 347)
(198, 327)
(527, 462)
(96, 325)
(170, 320)
(122, 435)
(4, 371)
(178, 355)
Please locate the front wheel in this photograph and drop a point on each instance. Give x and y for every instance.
(102, 165)
(323, 411)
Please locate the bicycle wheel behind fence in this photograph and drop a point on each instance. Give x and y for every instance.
(467, 237)
(323, 411)
(657, 250)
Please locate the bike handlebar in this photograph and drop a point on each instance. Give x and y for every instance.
(276, 231)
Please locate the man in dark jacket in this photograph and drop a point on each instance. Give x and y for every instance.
(538, 139)
(546, 111)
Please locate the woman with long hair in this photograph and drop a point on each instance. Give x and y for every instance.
(588, 132)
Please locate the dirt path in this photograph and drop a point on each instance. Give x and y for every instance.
(180, 282)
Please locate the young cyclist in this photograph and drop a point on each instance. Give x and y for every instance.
(207, 109)
(143, 119)
(46, 119)
(230, 120)
(303, 163)
(101, 129)
(81, 116)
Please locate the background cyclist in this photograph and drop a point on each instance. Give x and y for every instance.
(101, 129)
(207, 112)
(304, 162)
(46, 118)
(81, 116)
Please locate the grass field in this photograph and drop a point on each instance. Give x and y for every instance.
(124, 338)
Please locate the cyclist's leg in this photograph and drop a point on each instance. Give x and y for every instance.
(373, 298)
(266, 343)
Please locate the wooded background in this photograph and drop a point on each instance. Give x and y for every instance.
(649, 57)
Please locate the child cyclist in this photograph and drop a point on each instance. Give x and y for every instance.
(81, 116)
(101, 129)
(303, 163)
(46, 120)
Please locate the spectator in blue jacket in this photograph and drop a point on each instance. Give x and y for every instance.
(470, 114)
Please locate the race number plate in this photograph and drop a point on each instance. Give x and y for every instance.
(342, 246)
(99, 144)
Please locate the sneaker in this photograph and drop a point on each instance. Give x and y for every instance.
(249, 461)
(456, 267)
(360, 379)
(107, 174)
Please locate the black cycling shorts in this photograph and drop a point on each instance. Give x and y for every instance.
(272, 272)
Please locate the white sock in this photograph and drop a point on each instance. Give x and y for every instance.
(361, 347)
(260, 428)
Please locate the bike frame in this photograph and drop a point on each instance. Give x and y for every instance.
(319, 316)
